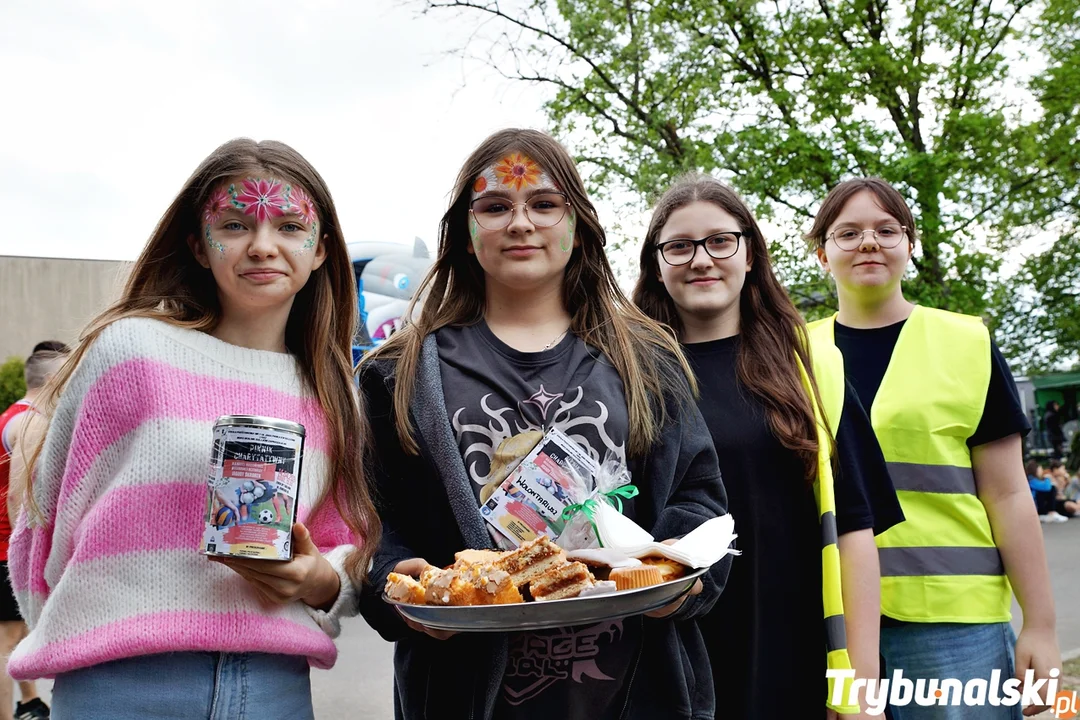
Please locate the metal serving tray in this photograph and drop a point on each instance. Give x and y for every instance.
(550, 613)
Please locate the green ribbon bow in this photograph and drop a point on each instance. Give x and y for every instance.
(614, 497)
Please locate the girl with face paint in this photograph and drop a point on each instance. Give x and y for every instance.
(243, 301)
(523, 329)
(705, 271)
(944, 407)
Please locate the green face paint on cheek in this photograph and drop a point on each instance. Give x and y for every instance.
(310, 242)
(567, 243)
(214, 244)
(474, 233)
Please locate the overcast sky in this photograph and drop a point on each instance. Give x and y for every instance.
(111, 104)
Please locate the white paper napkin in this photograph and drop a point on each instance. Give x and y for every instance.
(701, 548)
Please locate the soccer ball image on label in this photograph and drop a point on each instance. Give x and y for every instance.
(267, 516)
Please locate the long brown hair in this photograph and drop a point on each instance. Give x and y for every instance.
(642, 351)
(771, 329)
(887, 197)
(168, 284)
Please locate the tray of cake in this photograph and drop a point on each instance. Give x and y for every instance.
(539, 585)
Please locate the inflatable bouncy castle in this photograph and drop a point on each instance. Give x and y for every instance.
(387, 275)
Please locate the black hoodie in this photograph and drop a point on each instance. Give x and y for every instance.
(429, 510)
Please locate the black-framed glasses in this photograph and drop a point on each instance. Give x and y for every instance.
(718, 246)
(850, 238)
(543, 210)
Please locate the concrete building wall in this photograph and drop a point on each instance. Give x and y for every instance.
(52, 298)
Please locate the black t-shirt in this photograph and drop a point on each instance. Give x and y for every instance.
(866, 356)
(766, 634)
(494, 392)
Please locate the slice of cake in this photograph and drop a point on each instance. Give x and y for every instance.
(531, 560)
(483, 585)
(476, 557)
(561, 582)
(405, 589)
(437, 584)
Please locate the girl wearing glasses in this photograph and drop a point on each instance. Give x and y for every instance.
(705, 272)
(946, 413)
(522, 329)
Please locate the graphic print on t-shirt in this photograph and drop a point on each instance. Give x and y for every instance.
(585, 422)
(540, 660)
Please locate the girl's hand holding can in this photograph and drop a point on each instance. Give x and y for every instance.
(308, 577)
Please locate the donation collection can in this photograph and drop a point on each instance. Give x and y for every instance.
(253, 485)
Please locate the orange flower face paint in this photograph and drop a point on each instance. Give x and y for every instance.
(516, 171)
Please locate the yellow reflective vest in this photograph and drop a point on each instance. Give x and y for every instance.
(941, 564)
(829, 373)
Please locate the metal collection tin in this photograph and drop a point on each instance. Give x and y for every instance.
(253, 486)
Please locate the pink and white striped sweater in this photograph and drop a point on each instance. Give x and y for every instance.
(114, 571)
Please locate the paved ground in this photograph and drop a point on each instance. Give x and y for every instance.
(360, 685)
(1063, 554)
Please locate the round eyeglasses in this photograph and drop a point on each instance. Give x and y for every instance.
(719, 246)
(543, 210)
(850, 238)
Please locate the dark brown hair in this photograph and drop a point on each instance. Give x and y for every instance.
(167, 283)
(888, 199)
(771, 329)
(453, 294)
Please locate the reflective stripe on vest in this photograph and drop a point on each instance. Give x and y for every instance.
(829, 373)
(941, 564)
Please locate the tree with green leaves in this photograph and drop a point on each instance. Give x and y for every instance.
(12, 382)
(969, 108)
(1039, 313)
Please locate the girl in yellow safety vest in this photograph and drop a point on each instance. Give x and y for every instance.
(946, 414)
(705, 271)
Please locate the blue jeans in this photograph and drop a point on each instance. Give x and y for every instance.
(950, 650)
(187, 686)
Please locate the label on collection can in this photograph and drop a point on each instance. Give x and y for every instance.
(253, 485)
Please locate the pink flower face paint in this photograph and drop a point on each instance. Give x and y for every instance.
(304, 208)
(261, 198)
(218, 203)
(264, 199)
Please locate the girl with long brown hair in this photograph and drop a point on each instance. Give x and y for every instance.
(242, 302)
(523, 329)
(705, 272)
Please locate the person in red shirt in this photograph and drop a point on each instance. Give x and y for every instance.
(42, 364)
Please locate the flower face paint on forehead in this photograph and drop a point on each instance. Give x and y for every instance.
(264, 199)
(516, 171)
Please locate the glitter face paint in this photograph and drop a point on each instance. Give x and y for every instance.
(264, 199)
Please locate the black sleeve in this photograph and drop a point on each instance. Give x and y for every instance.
(386, 463)
(685, 476)
(1002, 414)
(865, 497)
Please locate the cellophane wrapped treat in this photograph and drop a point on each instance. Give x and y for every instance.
(607, 483)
